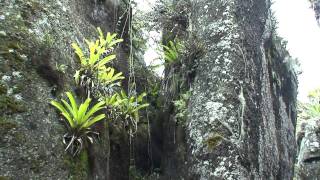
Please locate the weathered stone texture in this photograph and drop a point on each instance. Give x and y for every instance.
(315, 4)
(35, 39)
(244, 92)
(307, 166)
(241, 114)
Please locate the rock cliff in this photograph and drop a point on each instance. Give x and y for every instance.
(238, 79)
(241, 114)
(315, 4)
(307, 165)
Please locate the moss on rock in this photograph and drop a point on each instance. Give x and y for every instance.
(4, 178)
(11, 50)
(214, 141)
(19, 137)
(6, 126)
(9, 105)
(17, 88)
(3, 89)
(78, 166)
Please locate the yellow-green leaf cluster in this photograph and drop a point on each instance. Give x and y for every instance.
(129, 106)
(79, 117)
(100, 54)
(171, 52)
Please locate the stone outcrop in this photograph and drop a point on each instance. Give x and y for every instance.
(307, 166)
(240, 121)
(241, 114)
(36, 65)
(315, 4)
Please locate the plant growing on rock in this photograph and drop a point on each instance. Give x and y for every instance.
(129, 107)
(79, 120)
(312, 108)
(108, 77)
(100, 51)
(181, 106)
(94, 69)
(103, 84)
(171, 52)
(214, 141)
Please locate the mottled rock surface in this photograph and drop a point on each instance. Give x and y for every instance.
(308, 166)
(241, 116)
(315, 4)
(241, 113)
(35, 40)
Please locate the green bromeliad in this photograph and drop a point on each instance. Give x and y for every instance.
(79, 121)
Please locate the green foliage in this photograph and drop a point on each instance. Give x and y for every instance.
(171, 52)
(125, 107)
(78, 166)
(308, 110)
(79, 120)
(3, 89)
(312, 108)
(10, 105)
(129, 106)
(314, 96)
(111, 101)
(61, 68)
(181, 106)
(95, 60)
(94, 69)
(109, 77)
(102, 82)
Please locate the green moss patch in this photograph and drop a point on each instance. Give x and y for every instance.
(9, 105)
(6, 126)
(11, 51)
(3, 89)
(78, 166)
(4, 178)
(214, 141)
(17, 88)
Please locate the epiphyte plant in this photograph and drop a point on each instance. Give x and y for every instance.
(94, 69)
(79, 120)
(171, 52)
(129, 107)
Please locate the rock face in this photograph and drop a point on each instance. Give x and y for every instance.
(241, 112)
(309, 152)
(307, 165)
(241, 115)
(315, 4)
(36, 37)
